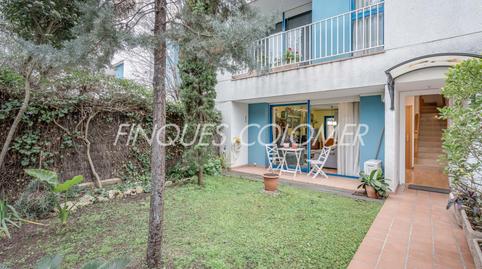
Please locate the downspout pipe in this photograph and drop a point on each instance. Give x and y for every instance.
(391, 89)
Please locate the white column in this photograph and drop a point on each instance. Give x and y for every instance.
(391, 142)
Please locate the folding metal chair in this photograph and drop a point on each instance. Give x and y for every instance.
(274, 159)
(317, 165)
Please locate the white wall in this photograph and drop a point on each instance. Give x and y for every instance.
(235, 117)
(412, 28)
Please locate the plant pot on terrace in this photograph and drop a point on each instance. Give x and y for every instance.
(371, 192)
(477, 253)
(270, 182)
(374, 184)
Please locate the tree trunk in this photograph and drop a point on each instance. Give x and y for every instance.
(200, 176)
(17, 119)
(96, 180)
(158, 157)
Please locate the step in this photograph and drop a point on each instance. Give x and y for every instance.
(430, 144)
(431, 116)
(424, 139)
(429, 110)
(432, 125)
(432, 109)
(429, 155)
(431, 133)
(428, 162)
(422, 149)
(432, 129)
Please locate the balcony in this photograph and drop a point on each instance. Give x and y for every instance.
(355, 33)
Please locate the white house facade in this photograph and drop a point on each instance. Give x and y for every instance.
(330, 64)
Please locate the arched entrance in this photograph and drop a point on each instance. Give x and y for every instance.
(414, 88)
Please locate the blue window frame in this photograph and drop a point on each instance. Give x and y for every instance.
(367, 12)
(119, 70)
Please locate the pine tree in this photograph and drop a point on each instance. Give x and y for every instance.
(198, 93)
(158, 155)
(213, 36)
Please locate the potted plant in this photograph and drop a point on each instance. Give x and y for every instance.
(270, 182)
(374, 184)
(291, 56)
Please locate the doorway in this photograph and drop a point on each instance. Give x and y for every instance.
(423, 142)
(290, 129)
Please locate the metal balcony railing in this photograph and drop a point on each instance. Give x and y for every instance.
(353, 33)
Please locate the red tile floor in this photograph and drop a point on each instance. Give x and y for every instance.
(414, 230)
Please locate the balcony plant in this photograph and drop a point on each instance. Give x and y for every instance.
(374, 184)
(291, 56)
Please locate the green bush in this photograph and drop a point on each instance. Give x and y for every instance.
(462, 139)
(37, 201)
(213, 167)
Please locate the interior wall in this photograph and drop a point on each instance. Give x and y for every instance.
(318, 119)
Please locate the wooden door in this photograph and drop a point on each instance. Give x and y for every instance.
(408, 136)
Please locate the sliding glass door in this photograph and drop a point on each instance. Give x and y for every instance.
(290, 129)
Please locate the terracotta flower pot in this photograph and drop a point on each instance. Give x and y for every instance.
(371, 192)
(270, 181)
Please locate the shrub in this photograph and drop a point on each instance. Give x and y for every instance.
(213, 167)
(462, 140)
(8, 217)
(37, 201)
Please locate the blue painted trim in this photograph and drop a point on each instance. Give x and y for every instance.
(338, 175)
(289, 104)
(308, 145)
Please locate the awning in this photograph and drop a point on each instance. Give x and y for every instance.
(423, 62)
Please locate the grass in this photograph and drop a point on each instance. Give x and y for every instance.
(230, 223)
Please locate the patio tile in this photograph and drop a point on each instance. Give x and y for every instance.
(357, 264)
(415, 263)
(420, 233)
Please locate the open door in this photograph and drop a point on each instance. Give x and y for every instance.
(423, 136)
(408, 136)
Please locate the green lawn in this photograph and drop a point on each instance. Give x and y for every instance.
(230, 223)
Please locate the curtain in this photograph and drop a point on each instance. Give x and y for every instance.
(348, 144)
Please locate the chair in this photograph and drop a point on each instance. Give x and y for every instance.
(317, 165)
(273, 157)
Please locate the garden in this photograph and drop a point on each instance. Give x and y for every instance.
(230, 223)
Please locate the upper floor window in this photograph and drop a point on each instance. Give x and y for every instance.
(119, 70)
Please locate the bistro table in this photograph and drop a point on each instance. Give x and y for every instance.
(284, 164)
